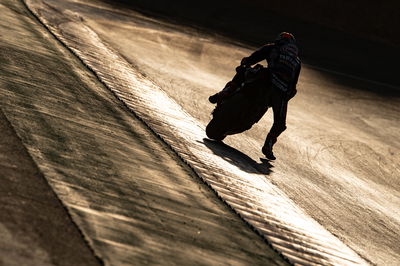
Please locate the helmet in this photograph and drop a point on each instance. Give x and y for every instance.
(287, 43)
(285, 37)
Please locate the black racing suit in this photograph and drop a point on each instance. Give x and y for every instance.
(284, 65)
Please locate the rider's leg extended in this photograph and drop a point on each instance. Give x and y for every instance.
(279, 107)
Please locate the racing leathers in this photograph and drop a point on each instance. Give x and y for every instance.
(284, 65)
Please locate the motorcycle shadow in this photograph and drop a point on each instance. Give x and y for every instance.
(238, 158)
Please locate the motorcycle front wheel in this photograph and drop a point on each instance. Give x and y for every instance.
(230, 117)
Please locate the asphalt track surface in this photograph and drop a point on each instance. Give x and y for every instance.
(84, 182)
(338, 160)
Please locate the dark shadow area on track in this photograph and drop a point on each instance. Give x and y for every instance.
(320, 46)
(363, 85)
(34, 219)
(238, 158)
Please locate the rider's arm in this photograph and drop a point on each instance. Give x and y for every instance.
(293, 91)
(258, 55)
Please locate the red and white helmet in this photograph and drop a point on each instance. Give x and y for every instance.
(285, 37)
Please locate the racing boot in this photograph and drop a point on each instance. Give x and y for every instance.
(228, 90)
(218, 97)
(267, 148)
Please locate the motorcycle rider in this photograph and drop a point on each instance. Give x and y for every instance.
(284, 65)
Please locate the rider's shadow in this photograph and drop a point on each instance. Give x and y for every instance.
(237, 158)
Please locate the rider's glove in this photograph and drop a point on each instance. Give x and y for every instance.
(244, 61)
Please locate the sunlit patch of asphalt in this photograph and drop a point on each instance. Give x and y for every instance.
(264, 207)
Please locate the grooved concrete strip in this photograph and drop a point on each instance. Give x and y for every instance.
(262, 205)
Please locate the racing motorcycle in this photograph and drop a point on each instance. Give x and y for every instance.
(242, 107)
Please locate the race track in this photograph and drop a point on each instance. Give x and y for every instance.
(338, 161)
